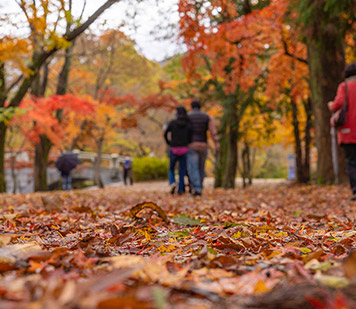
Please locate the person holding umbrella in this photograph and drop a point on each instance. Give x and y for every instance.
(65, 163)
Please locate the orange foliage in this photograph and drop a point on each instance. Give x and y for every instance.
(233, 46)
(41, 112)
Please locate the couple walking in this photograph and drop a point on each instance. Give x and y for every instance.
(187, 137)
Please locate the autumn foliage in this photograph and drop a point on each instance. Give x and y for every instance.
(255, 247)
(41, 115)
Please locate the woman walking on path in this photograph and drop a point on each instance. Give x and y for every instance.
(178, 135)
(347, 132)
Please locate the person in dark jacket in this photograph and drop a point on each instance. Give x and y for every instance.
(65, 163)
(198, 149)
(178, 136)
(347, 132)
(127, 166)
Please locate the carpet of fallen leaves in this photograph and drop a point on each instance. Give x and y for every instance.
(272, 246)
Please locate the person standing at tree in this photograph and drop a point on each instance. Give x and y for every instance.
(198, 149)
(128, 171)
(347, 132)
(180, 131)
(65, 163)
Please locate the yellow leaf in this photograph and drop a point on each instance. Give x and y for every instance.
(260, 287)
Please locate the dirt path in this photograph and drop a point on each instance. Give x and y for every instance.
(162, 186)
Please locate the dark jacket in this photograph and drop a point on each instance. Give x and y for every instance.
(181, 133)
(200, 123)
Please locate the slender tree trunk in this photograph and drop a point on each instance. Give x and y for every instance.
(97, 164)
(326, 64)
(3, 129)
(41, 158)
(221, 159)
(231, 145)
(297, 142)
(308, 127)
(13, 173)
(252, 158)
(42, 148)
(63, 78)
(246, 166)
(45, 144)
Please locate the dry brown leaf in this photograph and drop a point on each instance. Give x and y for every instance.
(52, 203)
(148, 205)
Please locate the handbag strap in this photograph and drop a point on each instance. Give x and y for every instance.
(345, 102)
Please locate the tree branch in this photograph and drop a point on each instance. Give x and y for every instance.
(15, 82)
(287, 53)
(77, 31)
(40, 57)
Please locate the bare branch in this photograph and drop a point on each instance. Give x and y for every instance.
(41, 56)
(73, 34)
(287, 53)
(15, 82)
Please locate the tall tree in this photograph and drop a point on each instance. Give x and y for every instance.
(227, 38)
(54, 42)
(324, 24)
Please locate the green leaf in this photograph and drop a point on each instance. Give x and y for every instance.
(179, 234)
(185, 220)
(304, 250)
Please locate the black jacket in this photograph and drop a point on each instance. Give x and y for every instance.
(181, 133)
(200, 123)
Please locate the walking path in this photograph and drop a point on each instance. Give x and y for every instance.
(162, 186)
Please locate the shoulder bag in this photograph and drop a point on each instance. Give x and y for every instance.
(338, 119)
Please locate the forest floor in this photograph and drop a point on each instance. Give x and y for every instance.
(273, 245)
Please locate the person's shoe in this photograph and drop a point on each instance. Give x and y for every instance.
(173, 188)
(195, 193)
(352, 197)
(181, 193)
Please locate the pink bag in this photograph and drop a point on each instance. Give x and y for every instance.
(179, 151)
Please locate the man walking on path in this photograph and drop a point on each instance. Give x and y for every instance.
(198, 149)
(128, 175)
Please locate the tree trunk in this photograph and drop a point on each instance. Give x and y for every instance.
(42, 148)
(63, 76)
(246, 166)
(326, 64)
(45, 146)
(232, 125)
(41, 158)
(307, 134)
(97, 164)
(13, 172)
(221, 159)
(297, 142)
(3, 129)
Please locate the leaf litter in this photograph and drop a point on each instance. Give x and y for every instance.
(251, 248)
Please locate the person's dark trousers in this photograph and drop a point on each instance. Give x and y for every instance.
(173, 159)
(128, 175)
(66, 182)
(350, 155)
(196, 168)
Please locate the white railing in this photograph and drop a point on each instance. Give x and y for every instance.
(114, 159)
